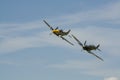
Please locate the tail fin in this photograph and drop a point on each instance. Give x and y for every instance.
(98, 45)
(68, 32)
(56, 28)
(85, 43)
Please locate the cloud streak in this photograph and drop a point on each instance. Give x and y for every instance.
(111, 78)
(107, 14)
(91, 67)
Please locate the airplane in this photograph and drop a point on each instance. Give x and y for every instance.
(89, 48)
(59, 32)
(56, 31)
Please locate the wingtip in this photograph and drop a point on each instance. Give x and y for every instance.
(72, 44)
(102, 59)
(44, 21)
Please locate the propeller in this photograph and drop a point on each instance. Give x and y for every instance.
(85, 43)
(50, 33)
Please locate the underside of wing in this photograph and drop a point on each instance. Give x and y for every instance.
(67, 40)
(95, 55)
(48, 25)
(99, 49)
(77, 41)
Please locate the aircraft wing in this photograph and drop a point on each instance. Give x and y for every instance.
(95, 55)
(99, 49)
(67, 40)
(77, 41)
(48, 25)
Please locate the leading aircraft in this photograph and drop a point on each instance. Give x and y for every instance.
(89, 48)
(59, 32)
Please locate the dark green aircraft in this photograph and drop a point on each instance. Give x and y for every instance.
(89, 48)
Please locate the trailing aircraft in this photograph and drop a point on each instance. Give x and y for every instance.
(89, 48)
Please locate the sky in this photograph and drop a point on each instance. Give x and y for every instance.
(29, 52)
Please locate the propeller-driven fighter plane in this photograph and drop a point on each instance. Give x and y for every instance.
(59, 32)
(88, 48)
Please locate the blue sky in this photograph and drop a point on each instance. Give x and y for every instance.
(28, 52)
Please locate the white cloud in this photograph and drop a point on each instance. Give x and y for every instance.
(76, 64)
(111, 78)
(7, 62)
(40, 39)
(14, 44)
(108, 13)
(91, 67)
(7, 29)
(23, 62)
